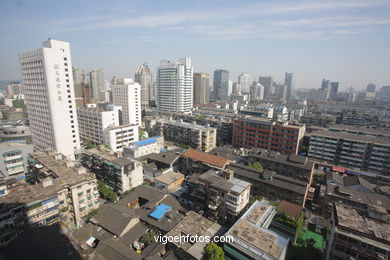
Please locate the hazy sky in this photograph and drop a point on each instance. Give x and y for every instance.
(341, 40)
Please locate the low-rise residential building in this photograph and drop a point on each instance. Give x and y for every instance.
(293, 166)
(199, 162)
(192, 224)
(363, 152)
(13, 159)
(169, 181)
(156, 164)
(196, 136)
(272, 185)
(354, 191)
(252, 238)
(266, 134)
(57, 191)
(357, 236)
(144, 147)
(119, 173)
(118, 137)
(226, 196)
(116, 230)
(318, 120)
(16, 132)
(93, 119)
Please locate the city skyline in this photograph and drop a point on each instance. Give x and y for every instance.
(344, 42)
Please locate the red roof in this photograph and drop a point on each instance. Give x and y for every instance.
(206, 158)
(291, 209)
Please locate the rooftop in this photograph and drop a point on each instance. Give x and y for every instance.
(210, 159)
(291, 209)
(170, 177)
(64, 176)
(163, 157)
(351, 137)
(146, 141)
(251, 237)
(350, 220)
(186, 125)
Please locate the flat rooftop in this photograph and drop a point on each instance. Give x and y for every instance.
(24, 193)
(186, 125)
(251, 237)
(351, 137)
(170, 177)
(349, 219)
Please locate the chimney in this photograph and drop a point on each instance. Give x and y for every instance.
(229, 174)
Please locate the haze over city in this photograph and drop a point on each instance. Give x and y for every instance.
(344, 41)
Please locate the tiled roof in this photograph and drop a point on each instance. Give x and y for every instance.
(206, 158)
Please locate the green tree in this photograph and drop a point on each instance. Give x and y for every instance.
(256, 165)
(92, 213)
(106, 192)
(253, 198)
(148, 238)
(141, 134)
(213, 252)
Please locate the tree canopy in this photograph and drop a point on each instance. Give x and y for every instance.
(213, 252)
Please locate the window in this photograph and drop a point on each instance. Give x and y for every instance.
(65, 59)
(65, 64)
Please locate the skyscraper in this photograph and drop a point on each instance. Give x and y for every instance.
(48, 79)
(371, 87)
(257, 91)
(245, 80)
(143, 76)
(289, 81)
(175, 88)
(267, 83)
(78, 79)
(221, 84)
(201, 88)
(334, 88)
(127, 94)
(96, 80)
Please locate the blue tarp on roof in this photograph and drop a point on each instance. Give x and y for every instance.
(160, 211)
(147, 141)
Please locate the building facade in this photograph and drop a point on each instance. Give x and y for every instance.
(118, 137)
(261, 133)
(351, 150)
(127, 94)
(48, 81)
(96, 80)
(59, 192)
(175, 88)
(221, 85)
(196, 136)
(267, 83)
(289, 81)
(245, 81)
(201, 88)
(13, 160)
(144, 77)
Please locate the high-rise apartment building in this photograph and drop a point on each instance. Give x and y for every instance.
(245, 80)
(127, 94)
(371, 87)
(96, 80)
(221, 85)
(289, 81)
(143, 76)
(78, 79)
(267, 83)
(201, 88)
(48, 80)
(175, 88)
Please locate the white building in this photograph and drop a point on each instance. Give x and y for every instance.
(118, 137)
(175, 85)
(127, 94)
(93, 119)
(48, 81)
(144, 147)
(245, 80)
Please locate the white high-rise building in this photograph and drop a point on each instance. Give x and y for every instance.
(245, 80)
(127, 94)
(48, 80)
(175, 85)
(143, 76)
